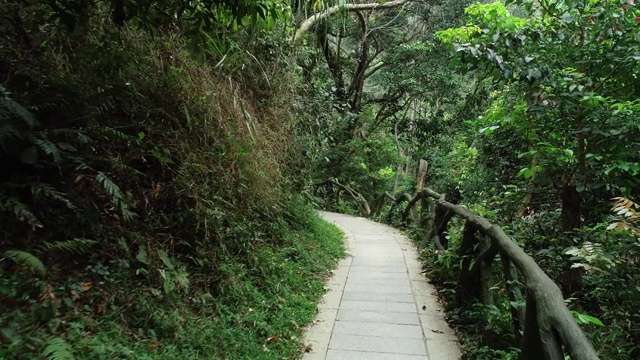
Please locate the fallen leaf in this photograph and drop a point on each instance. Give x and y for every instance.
(155, 292)
(48, 293)
(153, 344)
(308, 348)
(101, 307)
(273, 340)
(154, 193)
(86, 286)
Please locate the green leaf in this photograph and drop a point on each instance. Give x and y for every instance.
(76, 246)
(528, 6)
(527, 173)
(587, 319)
(489, 130)
(165, 259)
(11, 334)
(142, 256)
(58, 349)
(27, 259)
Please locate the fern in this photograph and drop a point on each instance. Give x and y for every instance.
(49, 148)
(27, 259)
(19, 210)
(46, 190)
(81, 165)
(58, 349)
(181, 278)
(627, 216)
(77, 246)
(11, 110)
(111, 133)
(117, 198)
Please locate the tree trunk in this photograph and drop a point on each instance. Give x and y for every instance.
(422, 174)
(571, 209)
(333, 62)
(357, 83)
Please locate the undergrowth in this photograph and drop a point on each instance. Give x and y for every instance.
(151, 207)
(110, 313)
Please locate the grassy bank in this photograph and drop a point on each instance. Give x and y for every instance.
(260, 314)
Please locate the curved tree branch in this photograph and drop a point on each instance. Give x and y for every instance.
(308, 23)
(356, 196)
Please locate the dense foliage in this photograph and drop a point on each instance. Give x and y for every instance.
(145, 206)
(529, 120)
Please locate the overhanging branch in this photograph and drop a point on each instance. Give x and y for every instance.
(308, 23)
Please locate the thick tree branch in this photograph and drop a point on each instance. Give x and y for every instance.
(356, 196)
(308, 23)
(374, 69)
(357, 83)
(333, 62)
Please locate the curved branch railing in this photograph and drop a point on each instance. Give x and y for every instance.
(545, 327)
(362, 203)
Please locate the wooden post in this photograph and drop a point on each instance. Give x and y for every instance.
(486, 283)
(515, 297)
(469, 289)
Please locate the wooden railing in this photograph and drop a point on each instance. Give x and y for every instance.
(545, 328)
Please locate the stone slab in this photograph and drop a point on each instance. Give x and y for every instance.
(374, 317)
(378, 344)
(368, 274)
(444, 349)
(376, 288)
(402, 281)
(380, 330)
(381, 306)
(335, 354)
(363, 295)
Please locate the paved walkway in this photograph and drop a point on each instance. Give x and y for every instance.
(379, 306)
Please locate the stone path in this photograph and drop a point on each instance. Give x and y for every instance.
(379, 306)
